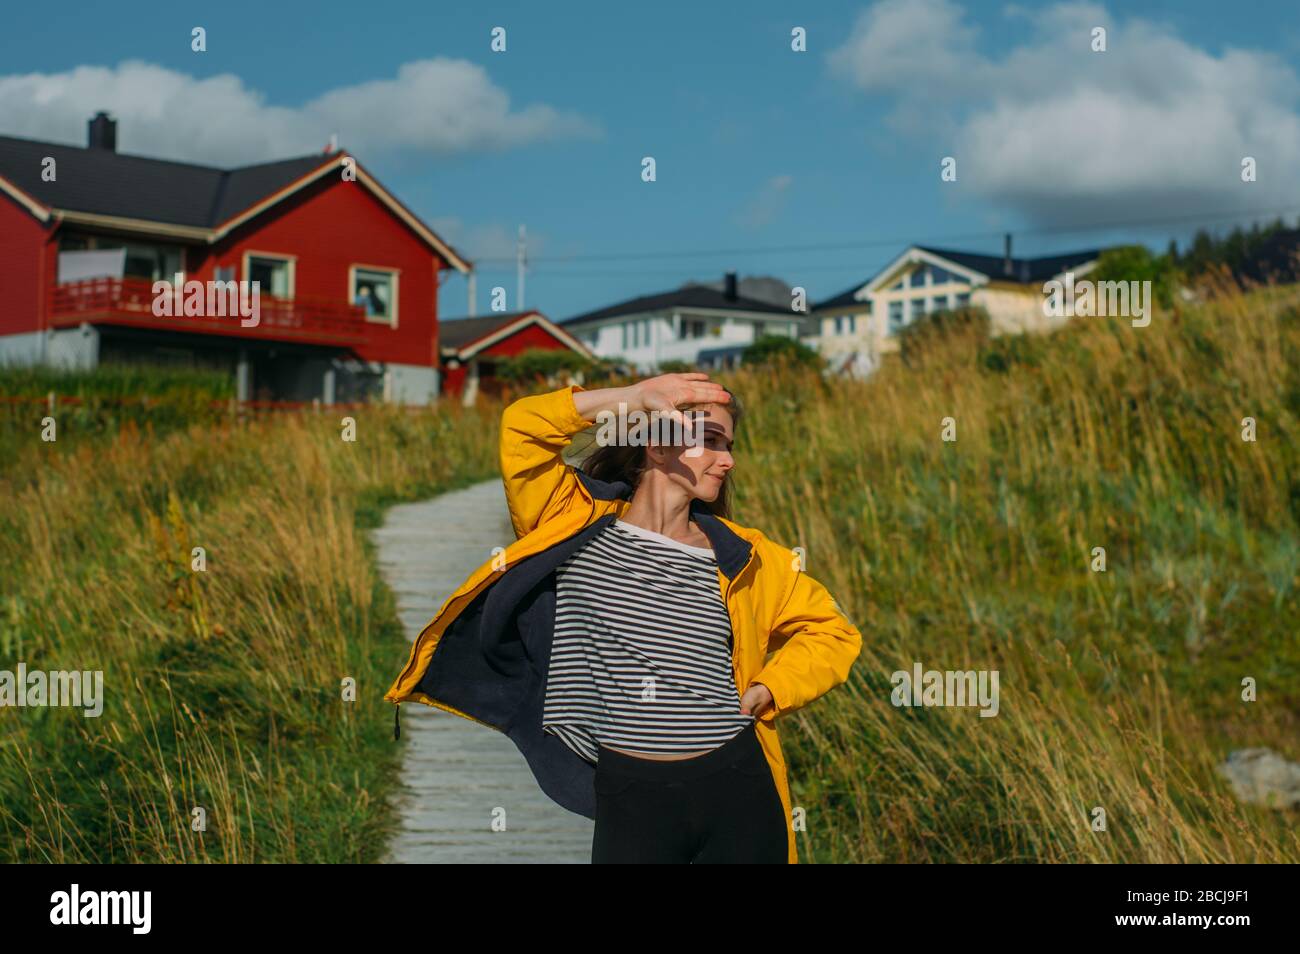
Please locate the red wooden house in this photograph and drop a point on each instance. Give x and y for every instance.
(472, 346)
(348, 275)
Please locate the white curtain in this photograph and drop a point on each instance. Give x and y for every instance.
(93, 263)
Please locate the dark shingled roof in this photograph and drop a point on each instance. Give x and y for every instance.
(458, 332)
(695, 296)
(104, 182)
(1023, 270)
(843, 298)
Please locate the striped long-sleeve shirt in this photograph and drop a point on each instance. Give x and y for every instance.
(641, 653)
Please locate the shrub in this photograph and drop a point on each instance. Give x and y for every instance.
(778, 349)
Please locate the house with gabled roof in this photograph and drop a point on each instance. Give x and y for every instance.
(701, 325)
(863, 322)
(348, 275)
(472, 347)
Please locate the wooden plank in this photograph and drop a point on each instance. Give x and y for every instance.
(459, 775)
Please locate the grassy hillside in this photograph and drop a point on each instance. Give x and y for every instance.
(1119, 689)
(223, 686)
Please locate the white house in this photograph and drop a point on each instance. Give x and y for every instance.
(861, 323)
(706, 327)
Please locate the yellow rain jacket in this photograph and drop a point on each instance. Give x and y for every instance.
(485, 655)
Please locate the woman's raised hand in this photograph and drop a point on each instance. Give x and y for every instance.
(669, 393)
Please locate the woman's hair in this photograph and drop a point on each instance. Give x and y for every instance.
(627, 462)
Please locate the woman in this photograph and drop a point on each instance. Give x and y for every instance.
(635, 643)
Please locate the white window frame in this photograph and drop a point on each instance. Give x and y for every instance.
(899, 323)
(290, 260)
(396, 274)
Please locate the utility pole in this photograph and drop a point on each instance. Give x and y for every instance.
(522, 262)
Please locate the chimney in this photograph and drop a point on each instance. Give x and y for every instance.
(103, 132)
(729, 291)
(1006, 255)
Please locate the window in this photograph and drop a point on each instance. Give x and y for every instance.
(963, 299)
(624, 327)
(940, 275)
(895, 316)
(853, 323)
(940, 303)
(918, 308)
(839, 324)
(375, 290)
(918, 277)
(274, 275)
(152, 262)
(693, 328)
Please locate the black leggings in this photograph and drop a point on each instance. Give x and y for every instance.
(721, 807)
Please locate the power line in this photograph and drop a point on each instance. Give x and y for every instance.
(537, 273)
(1201, 217)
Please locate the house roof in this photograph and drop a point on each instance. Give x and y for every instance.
(692, 296)
(1023, 270)
(463, 337)
(458, 332)
(1026, 270)
(104, 182)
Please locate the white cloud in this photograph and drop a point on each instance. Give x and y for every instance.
(439, 106)
(1056, 132)
(767, 204)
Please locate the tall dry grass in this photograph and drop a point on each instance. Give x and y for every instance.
(1120, 690)
(224, 687)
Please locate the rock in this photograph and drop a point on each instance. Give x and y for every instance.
(1262, 777)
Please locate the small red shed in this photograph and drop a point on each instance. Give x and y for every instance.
(470, 347)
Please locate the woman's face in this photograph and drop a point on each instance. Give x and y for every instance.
(700, 469)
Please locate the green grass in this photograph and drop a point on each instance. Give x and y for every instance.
(223, 687)
(1120, 690)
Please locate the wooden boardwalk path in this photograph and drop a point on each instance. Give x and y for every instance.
(457, 772)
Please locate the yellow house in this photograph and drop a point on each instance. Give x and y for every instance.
(862, 323)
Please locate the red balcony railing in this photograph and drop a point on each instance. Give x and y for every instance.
(129, 301)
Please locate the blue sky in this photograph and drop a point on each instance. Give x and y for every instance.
(815, 167)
